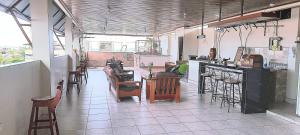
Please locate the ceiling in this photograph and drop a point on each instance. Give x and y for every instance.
(141, 17)
(147, 17)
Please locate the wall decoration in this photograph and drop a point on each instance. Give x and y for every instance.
(274, 43)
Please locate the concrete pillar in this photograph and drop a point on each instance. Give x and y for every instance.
(76, 45)
(42, 41)
(69, 42)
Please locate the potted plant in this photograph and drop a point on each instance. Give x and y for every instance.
(150, 66)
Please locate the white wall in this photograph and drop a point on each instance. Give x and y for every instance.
(206, 43)
(173, 43)
(164, 44)
(230, 42)
(173, 47)
(60, 70)
(19, 83)
(190, 43)
(289, 31)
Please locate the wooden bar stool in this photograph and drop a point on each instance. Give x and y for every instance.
(50, 103)
(74, 79)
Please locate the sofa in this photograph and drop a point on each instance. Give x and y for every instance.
(122, 87)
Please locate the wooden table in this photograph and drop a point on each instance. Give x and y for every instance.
(148, 81)
(145, 76)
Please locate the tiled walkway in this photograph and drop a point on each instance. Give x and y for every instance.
(95, 112)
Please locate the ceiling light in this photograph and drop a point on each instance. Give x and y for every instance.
(202, 36)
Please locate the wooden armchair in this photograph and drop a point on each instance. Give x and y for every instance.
(123, 88)
(165, 87)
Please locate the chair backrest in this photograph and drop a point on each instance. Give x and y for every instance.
(56, 99)
(166, 85)
(61, 84)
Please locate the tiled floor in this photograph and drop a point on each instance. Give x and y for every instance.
(95, 112)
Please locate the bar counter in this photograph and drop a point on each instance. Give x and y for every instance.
(254, 85)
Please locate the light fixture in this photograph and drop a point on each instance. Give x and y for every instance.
(202, 36)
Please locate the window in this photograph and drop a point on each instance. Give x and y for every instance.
(58, 44)
(113, 43)
(13, 45)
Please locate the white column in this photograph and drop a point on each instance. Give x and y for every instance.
(76, 46)
(69, 42)
(297, 63)
(42, 41)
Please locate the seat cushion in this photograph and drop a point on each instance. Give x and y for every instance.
(174, 69)
(128, 87)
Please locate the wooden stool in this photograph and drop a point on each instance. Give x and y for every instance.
(49, 102)
(85, 64)
(82, 73)
(74, 79)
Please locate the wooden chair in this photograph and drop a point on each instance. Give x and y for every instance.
(74, 79)
(84, 64)
(165, 87)
(82, 72)
(50, 103)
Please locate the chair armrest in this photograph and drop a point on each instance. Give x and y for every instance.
(129, 83)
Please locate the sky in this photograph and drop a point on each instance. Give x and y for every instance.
(10, 34)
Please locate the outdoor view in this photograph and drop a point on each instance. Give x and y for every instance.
(13, 45)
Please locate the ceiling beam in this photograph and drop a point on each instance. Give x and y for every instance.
(13, 6)
(27, 6)
(64, 8)
(59, 20)
(21, 28)
(1, 5)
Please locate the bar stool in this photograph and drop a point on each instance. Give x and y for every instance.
(74, 79)
(232, 81)
(82, 73)
(49, 102)
(85, 64)
(208, 74)
(217, 78)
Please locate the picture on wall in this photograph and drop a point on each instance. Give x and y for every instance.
(274, 43)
